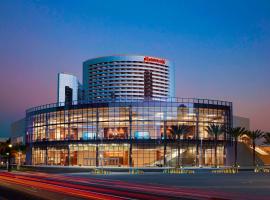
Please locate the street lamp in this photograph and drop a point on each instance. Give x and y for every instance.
(19, 163)
(9, 157)
(201, 153)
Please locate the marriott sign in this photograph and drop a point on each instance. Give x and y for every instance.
(154, 60)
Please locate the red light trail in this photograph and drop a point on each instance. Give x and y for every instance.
(98, 188)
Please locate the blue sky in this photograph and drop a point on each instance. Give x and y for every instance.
(220, 48)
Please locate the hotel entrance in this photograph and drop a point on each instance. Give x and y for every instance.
(112, 161)
(113, 155)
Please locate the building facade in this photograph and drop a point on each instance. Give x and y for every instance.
(124, 133)
(128, 77)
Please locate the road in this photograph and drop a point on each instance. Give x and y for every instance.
(29, 185)
(51, 186)
(245, 182)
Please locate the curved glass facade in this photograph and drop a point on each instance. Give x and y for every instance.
(126, 133)
(129, 77)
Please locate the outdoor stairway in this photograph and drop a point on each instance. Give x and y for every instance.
(245, 155)
(169, 158)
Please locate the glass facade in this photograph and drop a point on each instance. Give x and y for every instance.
(123, 134)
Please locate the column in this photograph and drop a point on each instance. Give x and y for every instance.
(97, 136)
(130, 136)
(165, 143)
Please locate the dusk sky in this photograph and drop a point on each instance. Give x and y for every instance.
(221, 49)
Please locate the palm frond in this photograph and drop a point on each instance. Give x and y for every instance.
(255, 134)
(180, 130)
(236, 132)
(215, 129)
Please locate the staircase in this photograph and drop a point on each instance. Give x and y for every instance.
(244, 155)
(169, 157)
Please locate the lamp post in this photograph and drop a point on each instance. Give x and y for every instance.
(9, 157)
(201, 153)
(19, 161)
(7, 160)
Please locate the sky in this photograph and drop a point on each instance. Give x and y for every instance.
(221, 49)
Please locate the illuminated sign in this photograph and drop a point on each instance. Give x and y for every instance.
(141, 135)
(154, 60)
(88, 135)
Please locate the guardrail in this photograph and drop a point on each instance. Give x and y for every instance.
(123, 100)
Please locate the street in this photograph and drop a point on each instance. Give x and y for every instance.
(36, 185)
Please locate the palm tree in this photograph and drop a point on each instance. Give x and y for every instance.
(235, 133)
(215, 130)
(4, 147)
(254, 135)
(177, 131)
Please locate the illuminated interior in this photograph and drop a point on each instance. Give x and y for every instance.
(104, 136)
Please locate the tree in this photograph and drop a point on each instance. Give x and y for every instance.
(254, 135)
(19, 148)
(4, 147)
(177, 131)
(235, 133)
(215, 130)
(6, 151)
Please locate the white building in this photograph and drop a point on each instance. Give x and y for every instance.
(128, 77)
(68, 88)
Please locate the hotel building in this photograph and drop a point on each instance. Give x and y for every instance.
(128, 77)
(126, 119)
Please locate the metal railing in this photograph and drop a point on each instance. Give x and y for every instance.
(132, 100)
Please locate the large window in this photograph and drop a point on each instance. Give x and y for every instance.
(100, 133)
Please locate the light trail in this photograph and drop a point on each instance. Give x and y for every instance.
(75, 189)
(120, 189)
(61, 189)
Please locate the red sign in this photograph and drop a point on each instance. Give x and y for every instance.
(154, 60)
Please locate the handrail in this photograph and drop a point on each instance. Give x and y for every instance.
(123, 100)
